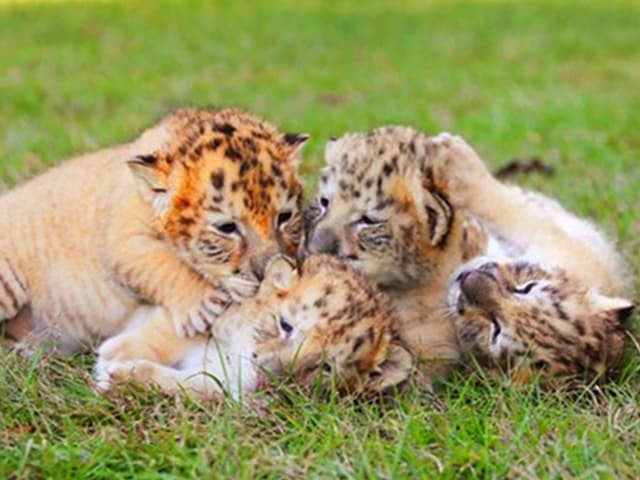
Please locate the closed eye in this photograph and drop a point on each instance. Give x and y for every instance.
(285, 326)
(368, 220)
(524, 289)
(284, 217)
(227, 228)
(495, 333)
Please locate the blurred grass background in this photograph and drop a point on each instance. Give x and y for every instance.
(549, 79)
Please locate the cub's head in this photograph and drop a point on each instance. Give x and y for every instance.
(380, 208)
(325, 322)
(524, 318)
(224, 190)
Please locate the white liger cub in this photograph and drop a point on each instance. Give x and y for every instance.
(324, 321)
(546, 295)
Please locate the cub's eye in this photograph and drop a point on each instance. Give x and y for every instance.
(367, 220)
(496, 329)
(285, 326)
(284, 217)
(227, 228)
(324, 202)
(326, 368)
(524, 289)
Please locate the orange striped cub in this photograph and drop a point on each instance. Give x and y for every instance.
(184, 217)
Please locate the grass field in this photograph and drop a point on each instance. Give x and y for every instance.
(556, 80)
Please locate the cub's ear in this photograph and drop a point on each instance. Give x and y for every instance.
(439, 216)
(620, 308)
(395, 369)
(294, 143)
(151, 171)
(280, 274)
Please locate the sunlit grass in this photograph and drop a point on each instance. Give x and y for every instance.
(556, 80)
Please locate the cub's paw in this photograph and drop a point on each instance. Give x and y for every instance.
(199, 318)
(108, 374)
(240, 288)
(458, 163)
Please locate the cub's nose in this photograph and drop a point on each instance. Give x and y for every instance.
(479, 288)
(324, 240)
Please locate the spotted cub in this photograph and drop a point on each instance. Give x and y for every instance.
(545, 296)
(381, 207)
(324, 322)
(183, 217)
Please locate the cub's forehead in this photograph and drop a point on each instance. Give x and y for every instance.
(232, 134)
(331, 285)
(367, 160)
(234, 151)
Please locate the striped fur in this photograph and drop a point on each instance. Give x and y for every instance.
(183, 217)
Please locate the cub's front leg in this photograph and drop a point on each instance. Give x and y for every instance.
(151, 269)
(149, 335)
(144, 372)
(472, 187)
(146, 353)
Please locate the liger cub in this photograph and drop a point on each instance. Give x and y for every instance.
(324, 321)
(183, 217)
(545, 296)
(381, 208)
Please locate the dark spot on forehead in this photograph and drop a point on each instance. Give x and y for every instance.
(217, 179)
(225, 128)
(357, 344)
(244, 168)
(275, 168)
(233, 154)
(320, 303)
(214, 144)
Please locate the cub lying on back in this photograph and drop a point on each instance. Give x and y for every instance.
(327, 322)
(546, 294)
(183, 217)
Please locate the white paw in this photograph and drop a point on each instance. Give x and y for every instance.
(107, 373)
(107, 350)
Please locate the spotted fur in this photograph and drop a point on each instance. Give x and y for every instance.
(525, 318)
(382, 208)
(324, 322)
(184, 217)
(545, 295)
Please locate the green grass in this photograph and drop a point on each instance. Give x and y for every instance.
(558, 80)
